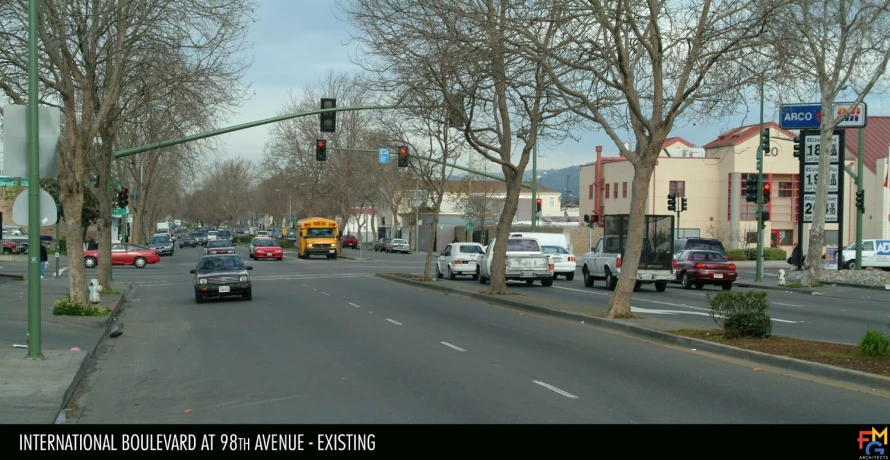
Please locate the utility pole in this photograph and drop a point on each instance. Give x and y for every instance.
(535, 185)
(859, 209)
(761, 224)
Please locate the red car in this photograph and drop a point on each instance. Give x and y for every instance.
(267, 248)
(11, 248)
(349, 241)
(124, 254)
(698, 268)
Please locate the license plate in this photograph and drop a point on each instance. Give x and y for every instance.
(718, 275)
(224, 289)
(528, 274)
(331, 251)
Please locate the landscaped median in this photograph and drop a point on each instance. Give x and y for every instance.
(745, 333)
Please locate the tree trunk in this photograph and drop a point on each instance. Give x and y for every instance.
(431, 247)
(103, 226)
(817, 228)
(137, 236)
(71, 195)
(498, 283)
(619, 304)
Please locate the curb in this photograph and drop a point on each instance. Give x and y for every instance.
(775, 288)
(819, 370)
(88, 359)
(15, 277)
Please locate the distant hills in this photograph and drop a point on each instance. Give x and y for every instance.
(554, 179)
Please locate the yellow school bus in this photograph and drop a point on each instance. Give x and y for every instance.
(317, 236)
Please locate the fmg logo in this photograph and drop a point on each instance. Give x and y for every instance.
(852, 115)
(872, 444)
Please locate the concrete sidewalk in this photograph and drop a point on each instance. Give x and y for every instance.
(34, 391)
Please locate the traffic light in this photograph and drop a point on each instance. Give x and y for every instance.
(860, 200)
(123, 198)
(683, 204)
(797, 146)
(321, 150)
(751, 190)
(403, 157)
(766, 188)
(764, 217)
(539, 205)
(591, 219)
(672, 202)
(764, 140)
(328, 119)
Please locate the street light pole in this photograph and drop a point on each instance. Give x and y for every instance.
(760, 223)
(535, 185)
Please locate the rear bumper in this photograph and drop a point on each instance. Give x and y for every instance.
(529, 275)
(164, 251)
(712, 277)
(211, 290)
(565, 267)
(651, 277)
(463, 268)
(268, 255)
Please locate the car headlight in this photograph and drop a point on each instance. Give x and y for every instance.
(202, 281)
(310, 245)
(278, 250)
(244, 278)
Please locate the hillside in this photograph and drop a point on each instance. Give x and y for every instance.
(554, 179)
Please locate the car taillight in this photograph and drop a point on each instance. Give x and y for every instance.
(618, 262)
(571, 258)
(551, 266)
(732, 266)
(675, 263)
(456, 262)
(699, 265)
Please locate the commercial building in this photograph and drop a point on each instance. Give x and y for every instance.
(712, 178)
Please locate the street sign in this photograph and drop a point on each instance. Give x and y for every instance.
(49, 214)
(809, 177)
(119, 212)
(470, 226)
(809, 116)
(383, 156)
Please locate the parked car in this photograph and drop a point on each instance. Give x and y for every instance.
(10, 247)
(162, 243)
(124, 254)
(267, 248)
(698, 268)
(382, 244)
(219, 247)
(349, 241)
(186, 241)
(459, 259)
(398, 245)
(221, 275)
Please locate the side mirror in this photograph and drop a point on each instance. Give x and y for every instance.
(249, 267)
(192, 272)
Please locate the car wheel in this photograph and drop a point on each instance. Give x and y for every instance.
(7, 251)
(451, 274)
(547, 282)
(687, 282)
(140, 262)
(479, 276)
(90, 262)
(249, 295)
(281, 258)
(198, 297)
(727, 286)
(611, 281)
(438, 273)
(660, 286)
(570, 276)
(588, 280)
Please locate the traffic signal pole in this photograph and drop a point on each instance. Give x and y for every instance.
(761, 224)
(859, 209)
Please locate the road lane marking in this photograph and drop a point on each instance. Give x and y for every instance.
(354, 305)
(325, 293)
(452, 346)
(394, 322)
(553, 388)
(787, 304)
(305, 285)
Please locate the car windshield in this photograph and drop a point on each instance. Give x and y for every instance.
(554, 250)
(399, 241)
(219, 243)
(159, 240)
(522, 245)
(224, 234)
(266, 243)
(197, 235)
(706, 256)
(705, 245)
(220, 263)
(470, 249)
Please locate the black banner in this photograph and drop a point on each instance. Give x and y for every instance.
(837, 442)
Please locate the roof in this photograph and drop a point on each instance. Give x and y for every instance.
(488, 186)
(876, 145)
(742, 134)
(675, 140)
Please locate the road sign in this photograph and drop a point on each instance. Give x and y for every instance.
(119, 212)
(470, 226)
(809, 177)
(831, 208)
(809, 116)
(383, 156)
(49, 214)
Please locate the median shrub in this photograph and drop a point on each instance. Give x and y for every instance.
(751, 254)
(68, 307)
(874, 344)
(741, 314)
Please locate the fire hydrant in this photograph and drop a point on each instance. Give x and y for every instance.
(781, 276)
(95, 288)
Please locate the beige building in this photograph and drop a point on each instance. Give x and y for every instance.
(712, 178)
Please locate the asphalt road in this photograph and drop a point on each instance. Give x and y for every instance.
(322, 341)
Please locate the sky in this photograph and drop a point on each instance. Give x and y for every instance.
(296, 42)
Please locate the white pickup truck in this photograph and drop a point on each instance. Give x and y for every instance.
(525, 262)
(604, 263)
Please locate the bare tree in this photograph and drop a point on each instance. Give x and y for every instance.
(479, 204)
(637, 67)
(463, 52)
(832, 47)
(720, 232)
(230, 181)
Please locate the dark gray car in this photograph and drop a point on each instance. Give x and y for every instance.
(163, 243)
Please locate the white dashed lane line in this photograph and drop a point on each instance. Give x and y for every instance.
(354, 305)
(452, 346)
(394, 322)
(557, 390)
(325, 293)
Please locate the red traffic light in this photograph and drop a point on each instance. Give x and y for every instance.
(125, 191)
(321, 144)
(766, 186)
(539, 201)
(403, 151)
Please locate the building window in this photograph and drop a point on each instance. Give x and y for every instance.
(786, 190)
(781, 238)
(688, 233)
(607, 190)
(615, 189)
(831, 238)
(590, 192)
(678, 187)
(747, 211)
(552, 201)
(624, 190)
